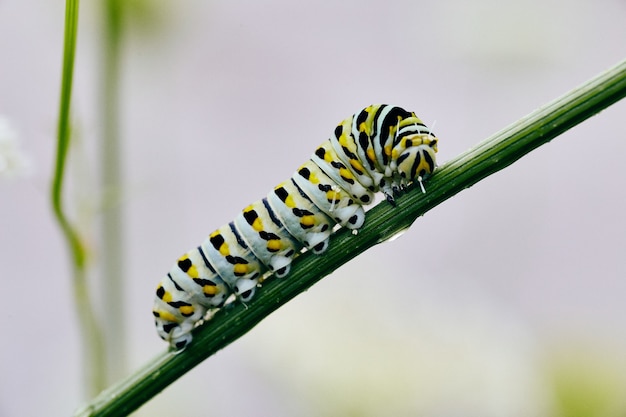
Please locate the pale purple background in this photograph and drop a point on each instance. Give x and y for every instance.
(463, 315)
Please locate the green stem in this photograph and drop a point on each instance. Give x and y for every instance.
(92, 339)
(383, 222)
(112, 248)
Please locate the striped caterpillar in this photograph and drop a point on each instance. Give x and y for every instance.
(381, 148)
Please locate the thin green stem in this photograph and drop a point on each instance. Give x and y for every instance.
(112, 243)
(92, 339)
(63, 131)
(383, 222)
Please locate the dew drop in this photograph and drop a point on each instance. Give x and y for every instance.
(395, 236)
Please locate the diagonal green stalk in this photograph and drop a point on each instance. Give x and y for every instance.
(383, 222)
(90, 333)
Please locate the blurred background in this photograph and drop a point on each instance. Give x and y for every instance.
(507, 300)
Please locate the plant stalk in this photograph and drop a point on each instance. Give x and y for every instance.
(93, 356)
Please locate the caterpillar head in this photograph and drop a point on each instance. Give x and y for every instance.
(416, 157)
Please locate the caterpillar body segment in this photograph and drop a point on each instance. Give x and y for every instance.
(266, 236)
(300, 217)
(329, 196)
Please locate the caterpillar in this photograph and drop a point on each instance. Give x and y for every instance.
(381, 148)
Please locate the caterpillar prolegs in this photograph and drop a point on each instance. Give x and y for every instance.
(381, 148)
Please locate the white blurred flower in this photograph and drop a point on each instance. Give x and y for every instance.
(13, 162)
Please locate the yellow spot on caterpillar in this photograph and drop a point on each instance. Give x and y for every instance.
(186, 310)
(371, 155)
(313, 178)
(343, 141)
(345, 173)
(210, 290)
(289, 201)
(257, 225)
(387, 150)
(273, 245)
(357, 165)
(240, 269)
(167, 297)
(193, 271)
(307, 221)
(167, 316)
